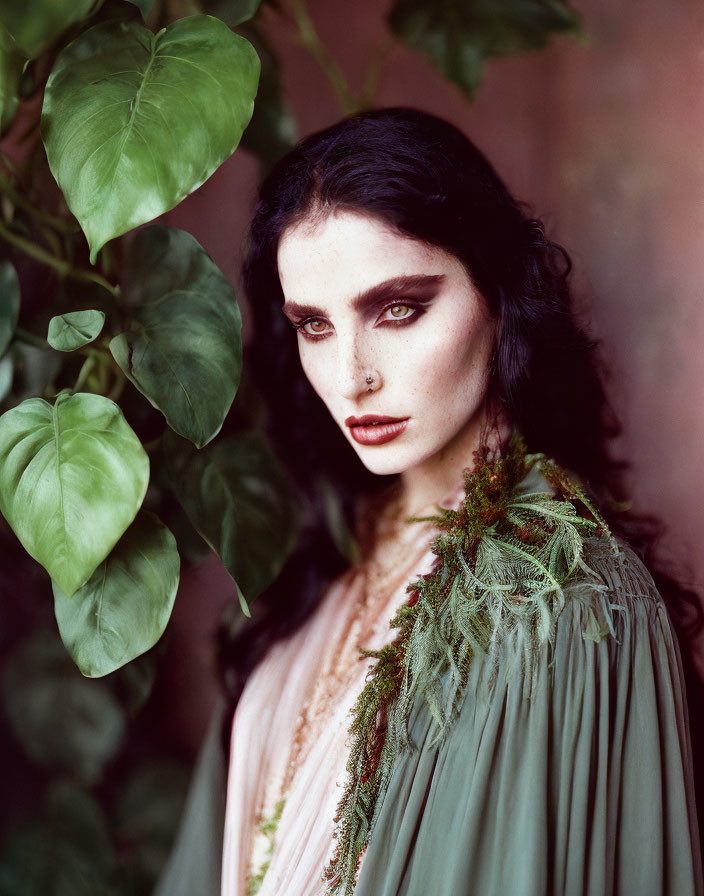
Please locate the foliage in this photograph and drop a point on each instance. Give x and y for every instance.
(123, 608)
(460, 35)
(133, 121)
(184, 334)
(248, 525)
(70, 331)
(73, 478)
(64, 721)
(90, 838)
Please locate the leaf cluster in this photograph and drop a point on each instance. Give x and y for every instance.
(132, 121)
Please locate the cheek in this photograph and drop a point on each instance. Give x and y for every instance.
(455, 366)
(315, 371)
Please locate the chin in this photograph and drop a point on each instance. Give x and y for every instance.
(379, 461)
(387, 461)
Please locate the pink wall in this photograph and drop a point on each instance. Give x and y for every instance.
(605, 141)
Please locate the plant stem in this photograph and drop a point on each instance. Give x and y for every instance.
(153, 445)
(373, 73)
(84, 372)
(9, 164)
(309, 38)
(58, 224)
(32, 339)
(120, 383)
(64, 268)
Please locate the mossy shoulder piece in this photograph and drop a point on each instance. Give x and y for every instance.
(503, 558)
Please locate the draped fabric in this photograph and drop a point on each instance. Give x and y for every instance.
(583, 789)
(288, 678)
(580, 786)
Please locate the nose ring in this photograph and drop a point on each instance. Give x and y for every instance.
(369, 380)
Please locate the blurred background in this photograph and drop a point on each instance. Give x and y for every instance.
(603, 136)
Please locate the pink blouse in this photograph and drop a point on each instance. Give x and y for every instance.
(302, 694)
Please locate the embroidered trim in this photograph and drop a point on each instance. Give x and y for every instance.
(267, 827)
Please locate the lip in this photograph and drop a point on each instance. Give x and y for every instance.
(372, 418)
(375, 429)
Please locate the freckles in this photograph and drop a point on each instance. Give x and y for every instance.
(309, 369)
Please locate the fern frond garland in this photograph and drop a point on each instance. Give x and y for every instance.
(502, 559)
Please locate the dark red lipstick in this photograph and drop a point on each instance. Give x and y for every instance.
(375, 429)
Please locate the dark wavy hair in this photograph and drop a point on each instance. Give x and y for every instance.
(422, 177)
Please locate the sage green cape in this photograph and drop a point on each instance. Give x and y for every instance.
(582, 788)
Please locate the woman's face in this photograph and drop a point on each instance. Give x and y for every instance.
(364, 298)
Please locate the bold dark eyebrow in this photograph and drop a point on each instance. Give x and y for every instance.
(374, 296)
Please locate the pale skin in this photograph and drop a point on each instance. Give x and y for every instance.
(428, 338)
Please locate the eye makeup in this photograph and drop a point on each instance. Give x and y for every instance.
(420, 287)
(418, 308)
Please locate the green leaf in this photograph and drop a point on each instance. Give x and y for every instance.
(63, 720)
(183, 350)
(9, 303)
(150, 805)
(67, 853)
(135, 681)
(133, 122)
(36, 369)
(460, 35)
(232, 12)
(11, 65)
(72, 478)
(239, 498)
(144, 6)
(7, 373)
(147, 817)
(36, 24)
(123, 608)
(71, 330)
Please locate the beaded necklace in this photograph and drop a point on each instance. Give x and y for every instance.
(389, 549)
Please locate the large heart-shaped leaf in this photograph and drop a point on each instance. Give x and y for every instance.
(63, 721)
(36, 24)
(460, 35)
(133, 122)
(71, 330)
(72, 478)
(123, 608)
(239, 498)
(183, 350)
(9, 303)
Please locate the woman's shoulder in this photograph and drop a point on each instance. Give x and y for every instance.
(608, 615)
(613, 588)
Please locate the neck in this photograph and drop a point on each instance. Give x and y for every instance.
(441, 474)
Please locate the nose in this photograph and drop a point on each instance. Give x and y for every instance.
(354, 361)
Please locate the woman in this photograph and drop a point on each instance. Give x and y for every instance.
(480, 690)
